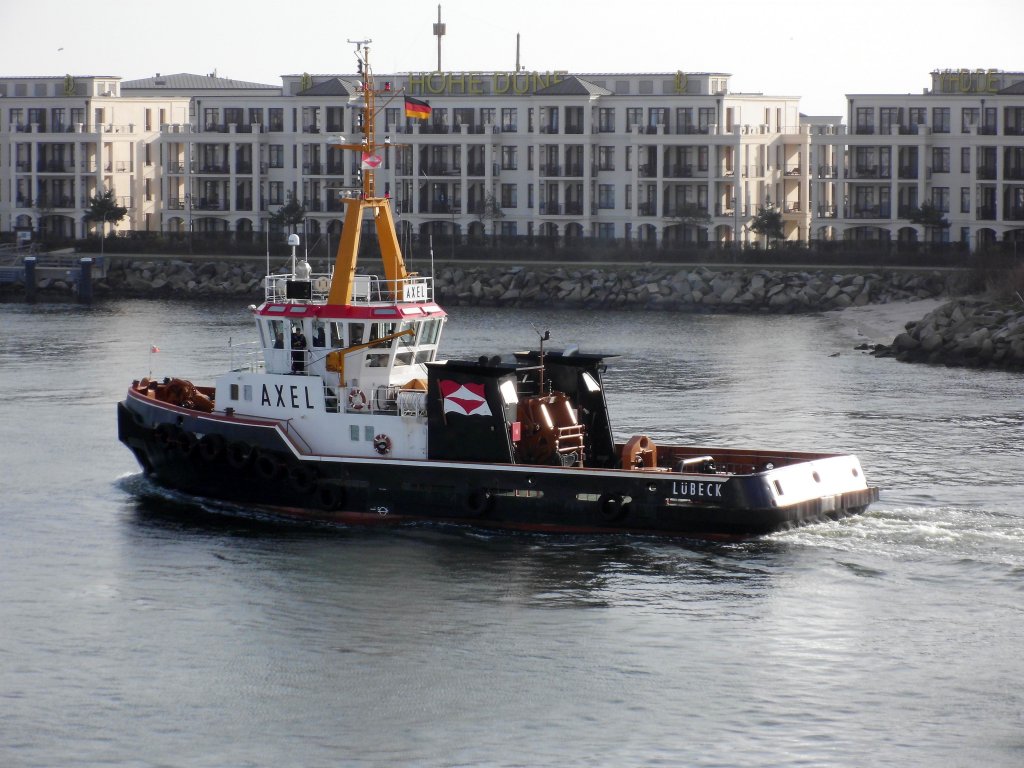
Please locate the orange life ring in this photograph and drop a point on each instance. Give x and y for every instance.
(357, 399)
(382, 444)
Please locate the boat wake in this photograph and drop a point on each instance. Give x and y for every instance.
(965, 536)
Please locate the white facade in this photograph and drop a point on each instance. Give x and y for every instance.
(610, 156)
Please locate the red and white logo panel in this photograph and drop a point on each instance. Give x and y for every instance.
(467, 399)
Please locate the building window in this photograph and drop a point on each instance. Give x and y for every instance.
(657, 116)
(509, 119)
(629, 197)
(276, 119)
(969, 116)
(940, 198)
(684, 120)
(509, 158)
(487, 115)
(965, 199)
(917, 116)
(865, 120)
(606, 196)
(888, 118)
(276, 190)
(606, 158)
(940, 159)
(508, 196)
(606, 120)
(529, 196)
(275, 155)
(255, 116)
(633, 117)
(606, 231)
(965, 160)
(529, 158)
(705, 118)
(629, 158)
(508, 229)
(940, 120)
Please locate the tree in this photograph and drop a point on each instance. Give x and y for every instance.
(104, 208)
(490, 211)
(291, 214)
(768, 223)
(928, 215)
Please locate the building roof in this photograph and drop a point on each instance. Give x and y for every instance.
(1017, 89)
(334, 86)
(185, 81)
(574, 86)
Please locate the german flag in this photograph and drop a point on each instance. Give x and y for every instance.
(416, 109)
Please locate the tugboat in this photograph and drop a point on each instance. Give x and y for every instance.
(346, 415)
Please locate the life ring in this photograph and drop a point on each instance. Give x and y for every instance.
(268, 466)
(612, 507)
(187, 443)
(357, 399)
(303, 478)
(240, 454)
(477, 502)
(211, 447)
(330, 496)
(382, 444)
(167, 434)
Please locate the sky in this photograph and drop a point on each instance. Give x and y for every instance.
(819, 50)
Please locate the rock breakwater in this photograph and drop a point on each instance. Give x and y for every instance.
(967, 332)
(698, 289)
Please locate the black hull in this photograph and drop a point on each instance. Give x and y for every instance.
(251, 463)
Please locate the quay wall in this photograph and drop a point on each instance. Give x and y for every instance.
(682, 288)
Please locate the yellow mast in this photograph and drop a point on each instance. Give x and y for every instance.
(348, 247)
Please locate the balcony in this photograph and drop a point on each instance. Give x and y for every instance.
(679, 172)
(551, 170)
(826, 212)
(870, 212)
(550, 209)
(986, 172)
(215, 168)
(986, 213)
(1015, 214)
(313, 169)
(908, 172)
(1014, 174)
(827, 172)
(864, 130)
(647, 209)
(647, 171)
(574, 209)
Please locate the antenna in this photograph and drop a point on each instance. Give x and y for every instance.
(543, 337)
(439, 30)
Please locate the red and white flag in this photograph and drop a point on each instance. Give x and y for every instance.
(467, 399)
(371, 162)
(153, 348)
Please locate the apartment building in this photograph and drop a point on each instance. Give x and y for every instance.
(664, 157)
(957, 146)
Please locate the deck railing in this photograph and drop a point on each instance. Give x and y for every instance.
(366, 289)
